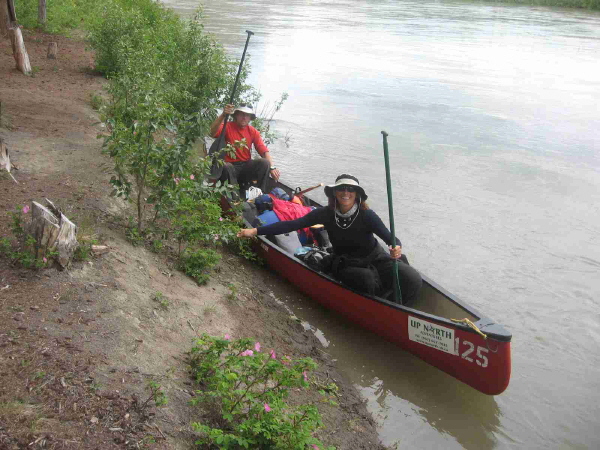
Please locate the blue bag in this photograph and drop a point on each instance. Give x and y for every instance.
(280, 194)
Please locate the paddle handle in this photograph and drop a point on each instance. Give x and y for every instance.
(388, 179)
(304, 191)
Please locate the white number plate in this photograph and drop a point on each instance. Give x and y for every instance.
(431, 335)
(442, 338)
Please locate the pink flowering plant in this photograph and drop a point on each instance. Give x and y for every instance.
(243, 394)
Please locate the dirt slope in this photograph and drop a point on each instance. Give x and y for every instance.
(78, 347)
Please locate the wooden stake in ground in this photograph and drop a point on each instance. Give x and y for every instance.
(52, 50)
(5, 159)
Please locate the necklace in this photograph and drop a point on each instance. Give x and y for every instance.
(344, 221)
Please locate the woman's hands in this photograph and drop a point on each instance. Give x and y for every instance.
(247, 233)
(395, 252)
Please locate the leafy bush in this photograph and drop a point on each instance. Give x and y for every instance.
(66, 15)
(197, 263)
(188, 67)
(62, 15)
(247, 390)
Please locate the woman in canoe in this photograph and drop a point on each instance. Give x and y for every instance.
(359, 261)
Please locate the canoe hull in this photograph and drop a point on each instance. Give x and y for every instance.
(484, 364)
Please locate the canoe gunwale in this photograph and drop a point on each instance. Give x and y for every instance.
(498, 332)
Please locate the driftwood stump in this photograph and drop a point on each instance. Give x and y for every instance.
(5, 159)
(52, 50)
(52, 231)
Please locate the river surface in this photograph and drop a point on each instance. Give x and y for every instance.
(493, 115)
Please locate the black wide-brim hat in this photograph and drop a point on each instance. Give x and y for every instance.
(346, 180)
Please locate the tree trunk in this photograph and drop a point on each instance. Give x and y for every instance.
(42, 12)
(19, 51)
(66, 242)
(4, 18)
(16, 37)
(51, 233)
(44, 229)
(52, 50)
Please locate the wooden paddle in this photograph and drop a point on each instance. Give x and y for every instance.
(219, 143)
(304, 191)
(298, 194)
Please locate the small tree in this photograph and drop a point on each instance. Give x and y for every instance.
(4, 18)
(42, 13)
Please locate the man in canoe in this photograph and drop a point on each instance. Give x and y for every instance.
(359, 261)
(241, 168)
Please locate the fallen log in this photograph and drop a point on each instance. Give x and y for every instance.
(100, 249)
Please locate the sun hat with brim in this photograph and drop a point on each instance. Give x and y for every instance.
(245, 109)
(345, 180)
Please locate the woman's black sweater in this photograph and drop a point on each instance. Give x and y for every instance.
(357, 240)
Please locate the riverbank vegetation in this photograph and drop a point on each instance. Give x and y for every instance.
(580, 4)
(167, 80)
(64, 16)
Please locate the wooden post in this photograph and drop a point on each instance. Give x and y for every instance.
(42, 12)
(52, 50)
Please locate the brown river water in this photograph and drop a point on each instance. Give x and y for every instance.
(493, 115)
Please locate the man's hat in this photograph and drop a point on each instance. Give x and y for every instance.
(245, 109)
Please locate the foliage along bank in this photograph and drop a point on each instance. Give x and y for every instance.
(167, 80)
(581, 4)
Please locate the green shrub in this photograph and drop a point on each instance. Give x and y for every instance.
(62, 15)
(197, 263)
(245, 392)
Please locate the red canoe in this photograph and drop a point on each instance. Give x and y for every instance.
(478, 354)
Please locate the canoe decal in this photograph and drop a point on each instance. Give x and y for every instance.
(431, 335)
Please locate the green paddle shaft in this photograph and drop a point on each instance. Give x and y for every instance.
(235, 84)
(388, 178)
